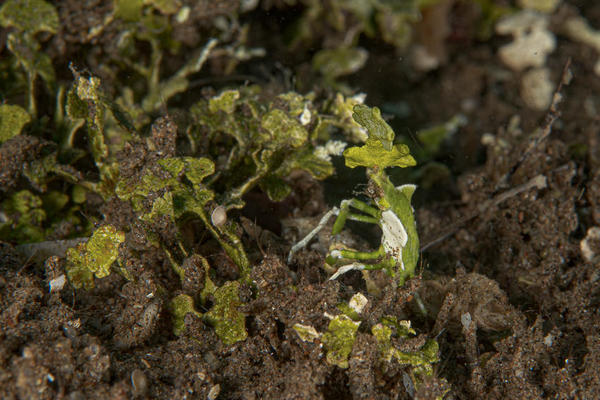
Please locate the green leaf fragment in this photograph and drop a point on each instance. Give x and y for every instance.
(421, 360)
(333, 63)
(306, 333)
(24, 217)
(296, 103)
(173, 165)
(339, 340)
(128, 10)
(165, 6)
(88, 91)
(27, 51)
(276, 188)
(283, 129)
(54, 201)
(196, 169)
(93, 258)
(181, 306)
(432, 138)
(79, 194)
(373, 155)
(37, 170)
(403, 327)
(12, 120)
(370, 119)
(161, 206)
(379, 150)
(30, 16)
(225, 102)
(75, 107)
(314, 165)
(228, 321)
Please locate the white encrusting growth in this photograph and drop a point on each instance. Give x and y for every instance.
(394, 235)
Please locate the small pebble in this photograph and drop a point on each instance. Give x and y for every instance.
(139, 382)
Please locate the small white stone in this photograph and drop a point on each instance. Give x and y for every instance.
(57, 283)
(466, 320)
(537, 88)
(394, 233)
(590, 245)
(359, 98)
(532, 41)
(214, 391)
(182, 15)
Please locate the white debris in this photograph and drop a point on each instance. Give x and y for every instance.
(57, 283)
(306, 116)
(537, 88)
(183, 14)
(394, 236)
(358, 302)
(578, 29)
(331, 148)
(590, 245)
(532, 41)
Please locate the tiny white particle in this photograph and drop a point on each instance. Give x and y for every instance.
(358, 302)
(57, 284)
(306, 116)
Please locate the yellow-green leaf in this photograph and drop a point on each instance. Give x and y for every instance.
(228, 321)
(93, 258)
(30, 16)
(370, 119)
(373, 155)
(12, 120)
(181, 306)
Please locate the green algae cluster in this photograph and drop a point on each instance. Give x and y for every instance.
(226, 142)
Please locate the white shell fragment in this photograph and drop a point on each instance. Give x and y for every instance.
(218, 216)
(57, 283)
(394, 236)
(590, 245)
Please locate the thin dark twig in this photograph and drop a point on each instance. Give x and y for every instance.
(539, 182)
(551, 116)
